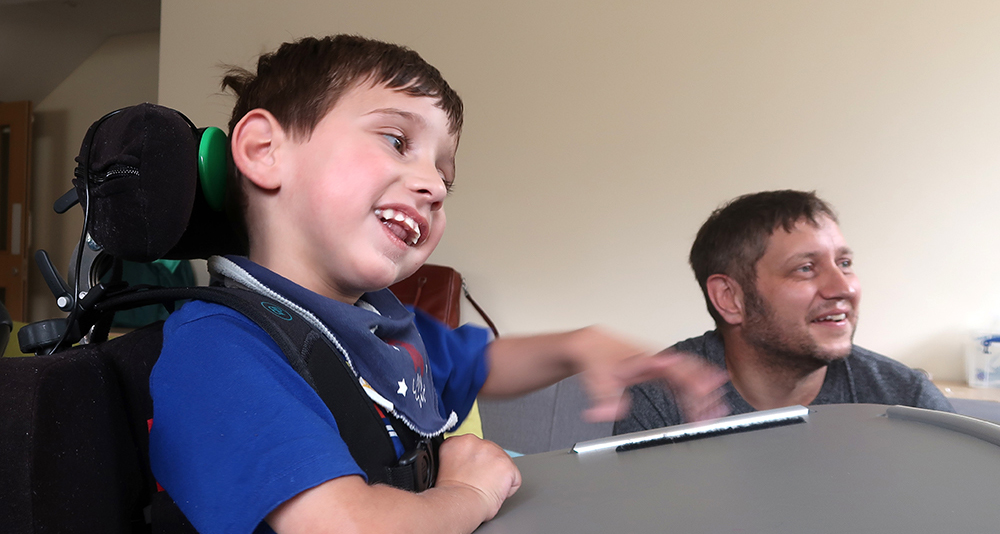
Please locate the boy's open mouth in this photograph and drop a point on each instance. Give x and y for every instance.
(400, 224)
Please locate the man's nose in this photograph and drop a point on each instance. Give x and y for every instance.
(838, 284)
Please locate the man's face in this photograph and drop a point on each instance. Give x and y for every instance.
(804, 309)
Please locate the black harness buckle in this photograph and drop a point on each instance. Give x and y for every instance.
(421, 464)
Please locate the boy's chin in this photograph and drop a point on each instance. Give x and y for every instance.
(382, 276)
(403, 274)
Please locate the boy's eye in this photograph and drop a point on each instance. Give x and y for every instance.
(398, 142)
(448, 184)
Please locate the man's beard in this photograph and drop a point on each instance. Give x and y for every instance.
(782, 348)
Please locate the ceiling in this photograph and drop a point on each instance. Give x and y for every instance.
(43, 41)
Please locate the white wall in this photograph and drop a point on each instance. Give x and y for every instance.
(122, 72)
(599, 135)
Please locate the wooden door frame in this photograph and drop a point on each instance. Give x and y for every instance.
(14, 273)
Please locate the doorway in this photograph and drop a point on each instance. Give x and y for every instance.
(15, 168)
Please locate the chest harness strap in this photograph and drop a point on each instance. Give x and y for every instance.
(314, 358)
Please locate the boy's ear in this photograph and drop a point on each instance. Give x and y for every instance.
(727, 297)
(255, 141)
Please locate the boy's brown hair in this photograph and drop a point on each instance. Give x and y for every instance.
(301, 81)
(735, 236)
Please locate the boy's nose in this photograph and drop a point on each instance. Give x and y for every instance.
(428, 184)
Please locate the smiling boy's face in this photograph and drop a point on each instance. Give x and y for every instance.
(362, 199)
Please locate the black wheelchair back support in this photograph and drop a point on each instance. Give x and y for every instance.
(74, 420)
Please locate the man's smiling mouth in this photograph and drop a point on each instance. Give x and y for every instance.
(400, 224)
(831, 318)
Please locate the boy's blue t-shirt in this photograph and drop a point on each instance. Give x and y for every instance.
(237, 431)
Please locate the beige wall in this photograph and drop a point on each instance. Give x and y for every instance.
(599, 135)
(122, 72)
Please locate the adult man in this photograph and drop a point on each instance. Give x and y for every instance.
(778, 279)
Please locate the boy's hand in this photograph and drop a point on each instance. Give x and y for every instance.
(611, 364)
(695, 385)
(607, 365)
(480, 466)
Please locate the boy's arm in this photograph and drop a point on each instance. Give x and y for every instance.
(608, 365)
(474, 478)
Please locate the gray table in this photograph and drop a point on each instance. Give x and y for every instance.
(845, 469)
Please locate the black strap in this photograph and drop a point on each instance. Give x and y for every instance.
(314, 357)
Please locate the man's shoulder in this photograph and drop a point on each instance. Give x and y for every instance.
(709, 346)
(883, 380)
(873, 363)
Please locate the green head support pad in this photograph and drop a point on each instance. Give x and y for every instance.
(212, 166)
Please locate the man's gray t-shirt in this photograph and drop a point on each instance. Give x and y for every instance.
(861, 377)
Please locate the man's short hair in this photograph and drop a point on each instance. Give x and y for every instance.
(735, 236)
(301, 81)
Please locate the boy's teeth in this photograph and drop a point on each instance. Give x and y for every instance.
(416, 229)
(390, 214)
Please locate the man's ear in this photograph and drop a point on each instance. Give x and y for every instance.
(255, 142)
(727, 297)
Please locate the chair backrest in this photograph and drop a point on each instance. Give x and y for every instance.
(544, 420)
(74, 424)
(74, 438)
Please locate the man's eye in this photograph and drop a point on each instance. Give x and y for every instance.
(846, 264)
(805, 269)
(398, 142)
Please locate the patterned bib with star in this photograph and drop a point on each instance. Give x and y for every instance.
(376, 337)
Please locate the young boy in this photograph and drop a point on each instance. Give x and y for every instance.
(345, 152)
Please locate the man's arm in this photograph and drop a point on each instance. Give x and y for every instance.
(608, 364)
(474, 478)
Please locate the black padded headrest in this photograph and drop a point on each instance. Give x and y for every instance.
(141, 165)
